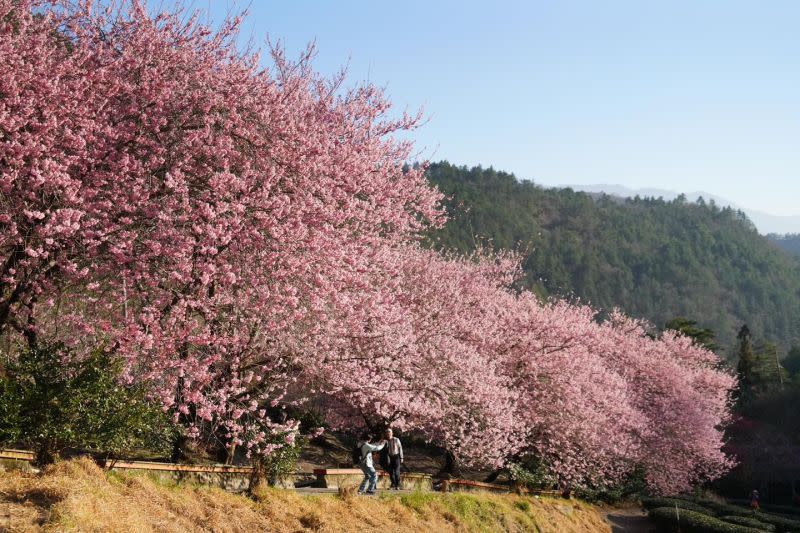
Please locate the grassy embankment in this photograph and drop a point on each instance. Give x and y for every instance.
(78, 496)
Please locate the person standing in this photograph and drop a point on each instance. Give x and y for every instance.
(395, 451)
(755, 501)
(370, 475)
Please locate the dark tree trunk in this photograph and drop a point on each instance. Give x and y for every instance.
(179, 448)
(179, 444)
(491, 478)
(224, 450)
(451, 467)
(44, 453)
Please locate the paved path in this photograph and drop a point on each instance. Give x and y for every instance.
(309, 491)
(629, 520)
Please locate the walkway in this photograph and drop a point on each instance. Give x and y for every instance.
(628, 520)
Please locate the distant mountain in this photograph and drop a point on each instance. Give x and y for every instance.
(765, 222)
(653, 258)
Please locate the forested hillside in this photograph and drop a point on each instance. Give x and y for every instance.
(789, 242)
(653, 258)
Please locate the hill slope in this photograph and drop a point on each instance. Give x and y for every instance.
(653, 258)
(78, 496)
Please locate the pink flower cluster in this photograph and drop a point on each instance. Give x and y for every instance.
(247, 239)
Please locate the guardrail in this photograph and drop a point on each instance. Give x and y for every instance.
(455, 485)
(25, 455)
(174, 467)
(19, 455)
(325, 477)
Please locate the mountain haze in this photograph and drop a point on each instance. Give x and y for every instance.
(654, 258)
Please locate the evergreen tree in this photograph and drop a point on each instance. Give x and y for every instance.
(768, 371)
(746, 367)
(702, 336)
(792, 361)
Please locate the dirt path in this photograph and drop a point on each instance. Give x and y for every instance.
(628, 520)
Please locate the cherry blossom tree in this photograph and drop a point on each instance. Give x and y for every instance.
(165, 195)
(686, 396)
(417, 352)
(603, 398)
(248, 239)
(444, 346)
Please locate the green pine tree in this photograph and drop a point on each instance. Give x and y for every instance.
(702, 336)
(745, 368)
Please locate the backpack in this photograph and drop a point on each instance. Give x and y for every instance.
(384, 458)
(356, 451)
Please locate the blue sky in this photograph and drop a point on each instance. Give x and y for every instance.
(681, 95)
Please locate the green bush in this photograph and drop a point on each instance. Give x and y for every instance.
(687, 521)
(281, 462)
(783, 509)
(652, 503)
(727, 508)
(272, 469)
(629, 488)
(531, 473)
(783, 524)
(50, 401)
(523, 506)
(749, 522)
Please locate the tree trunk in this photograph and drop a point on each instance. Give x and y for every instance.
(225, 450)
(44, 454)
(180, 442)
(258, 478)
(451, 467)
(491, 478)
(231, 453)
(179, 448)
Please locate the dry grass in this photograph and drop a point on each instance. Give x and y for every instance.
(77, 496)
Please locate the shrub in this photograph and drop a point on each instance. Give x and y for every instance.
(726, 508)
(523, 506)
(783, 509)
(652, 503)
(273, 468)
(694, 522)
(531, 473)
(783, 524)
(749, 522)
(50, 401)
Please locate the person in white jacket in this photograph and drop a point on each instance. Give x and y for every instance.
(370, 475)
(394, 452)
